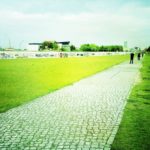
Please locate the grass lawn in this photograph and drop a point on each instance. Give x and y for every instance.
(22, 80)
(134, 131)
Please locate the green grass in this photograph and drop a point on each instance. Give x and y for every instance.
(22, 80)
(134, 131)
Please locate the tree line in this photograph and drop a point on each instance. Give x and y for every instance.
(53, 45)
(148, 49)
(97, 48)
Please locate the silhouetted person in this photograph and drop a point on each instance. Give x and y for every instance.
(139, 56)
(131, 57)
(142, 53)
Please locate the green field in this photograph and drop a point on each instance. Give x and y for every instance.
(22, 80)
(134, 131)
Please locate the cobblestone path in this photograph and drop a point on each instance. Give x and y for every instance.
(82, 116)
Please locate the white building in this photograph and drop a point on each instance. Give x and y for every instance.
(36, 46)
(33, 46)
(65, 45)
(125, 46)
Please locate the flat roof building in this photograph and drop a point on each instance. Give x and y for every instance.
(36, 46)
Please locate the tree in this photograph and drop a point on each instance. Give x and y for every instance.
(111, 48)
(63, 49)
(1, 49)
(101, 48)
(148, 49)
(50, 45)
(72, 48)
(85, 47)
(89, 47)
(94, 47)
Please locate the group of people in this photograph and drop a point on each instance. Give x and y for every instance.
(139, 54)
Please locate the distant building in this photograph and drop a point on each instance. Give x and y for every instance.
(9, 49)
(65, 45)
(125, 46)
(36, 46)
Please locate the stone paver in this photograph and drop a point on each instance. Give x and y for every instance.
(83, 116)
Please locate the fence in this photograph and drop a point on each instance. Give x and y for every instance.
(25, 54)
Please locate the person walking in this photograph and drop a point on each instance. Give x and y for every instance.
(139, 56)
(142, 54)
(131, 57)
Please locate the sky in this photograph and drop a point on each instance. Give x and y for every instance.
(103, 22)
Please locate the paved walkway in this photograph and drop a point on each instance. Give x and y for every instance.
(83, 116)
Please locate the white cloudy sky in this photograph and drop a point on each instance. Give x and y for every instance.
(80, 21)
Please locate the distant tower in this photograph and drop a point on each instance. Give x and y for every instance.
(9, 44)
(125, 46)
